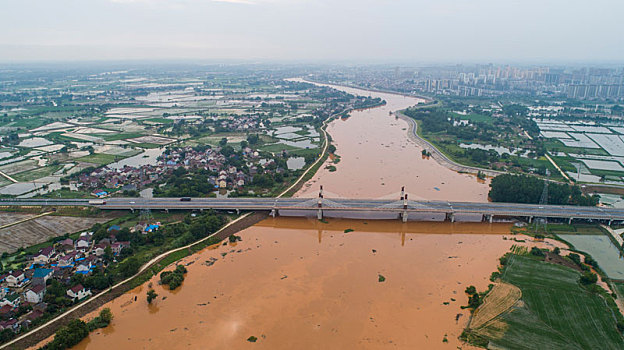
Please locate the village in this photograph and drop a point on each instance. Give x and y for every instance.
(104, 181)
(51, 280)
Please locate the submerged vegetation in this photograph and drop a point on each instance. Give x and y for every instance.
(173, 278)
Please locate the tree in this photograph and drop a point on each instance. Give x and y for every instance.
(253, 139)
(151, 295)
(223, 142)
(588, 278)
(108, 253)
(129, 267)
(70, 335)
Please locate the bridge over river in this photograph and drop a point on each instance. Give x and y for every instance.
(401, 208)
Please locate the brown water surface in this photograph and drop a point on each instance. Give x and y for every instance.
(303, 284)
(377, 158)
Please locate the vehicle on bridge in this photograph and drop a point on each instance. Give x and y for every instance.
(185, 199)
(97, 202)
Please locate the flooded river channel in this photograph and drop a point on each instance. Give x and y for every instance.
(297, 283)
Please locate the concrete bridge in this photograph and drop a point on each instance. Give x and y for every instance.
(402, 207)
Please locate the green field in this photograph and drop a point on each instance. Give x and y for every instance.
(37, 173)
(100, 158)
(555, 312)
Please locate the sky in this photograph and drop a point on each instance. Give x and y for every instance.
(322, 31)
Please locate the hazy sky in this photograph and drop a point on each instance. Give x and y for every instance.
(357, 31)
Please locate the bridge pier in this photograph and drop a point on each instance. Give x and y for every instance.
(530, 219)
(404, 214)
(610, 220)
(491, 218)
(166, 210)
(570, 221)
(273, 212)
(319, 214)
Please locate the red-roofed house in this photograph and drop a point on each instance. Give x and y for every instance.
(44, 255)
(78, 292)
(15, 278)
(35, 294)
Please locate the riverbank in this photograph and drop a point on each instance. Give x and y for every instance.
(46, 330)
(437, 155)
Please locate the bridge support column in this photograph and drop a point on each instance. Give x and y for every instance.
(491, 218)
(570, 221)
(166, 210)
(610, 221)
(450, 217)
(319, 214)
(530, 219)
(404, 214)
(237, 212)
(273, 212)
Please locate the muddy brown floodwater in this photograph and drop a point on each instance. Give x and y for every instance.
(297, 283)
(377, 158)
(303, 284)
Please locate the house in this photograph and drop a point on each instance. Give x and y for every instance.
(33, 315)
(15, 278)
(84, 267)
(35, 294)
(152, 228)
(78, 292)
(100, 248)
(10, 324)
(67, 259)
(12, 300)
(6, 310)
(66, 244)
(118, 246)
(44, 255)
(82, 244)
(41, 276)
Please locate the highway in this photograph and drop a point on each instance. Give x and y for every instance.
(337, 204)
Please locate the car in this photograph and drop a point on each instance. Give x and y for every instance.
(185, 199)
(132, 202)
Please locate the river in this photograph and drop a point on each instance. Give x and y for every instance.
(297, 283)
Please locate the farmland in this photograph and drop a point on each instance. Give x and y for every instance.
(554, 312)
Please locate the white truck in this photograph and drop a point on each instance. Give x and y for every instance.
(97, 202)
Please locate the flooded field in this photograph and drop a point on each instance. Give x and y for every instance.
(601, 248)
(302, 284)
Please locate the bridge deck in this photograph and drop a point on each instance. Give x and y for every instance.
(337, 204)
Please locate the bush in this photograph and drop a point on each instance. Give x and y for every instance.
(537, 252)
(173, 278)
(588, 278)
(151, 295)
(471, 290)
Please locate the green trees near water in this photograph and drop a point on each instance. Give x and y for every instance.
(528, 189)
